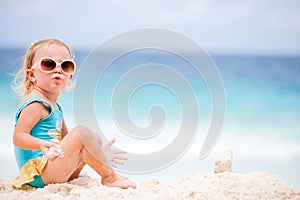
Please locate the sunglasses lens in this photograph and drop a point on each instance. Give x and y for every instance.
(48, 64)
(68, 66)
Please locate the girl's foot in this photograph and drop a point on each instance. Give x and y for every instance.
(119, 181)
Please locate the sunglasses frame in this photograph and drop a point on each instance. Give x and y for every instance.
(39, 63)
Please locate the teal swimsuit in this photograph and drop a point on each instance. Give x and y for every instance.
(32, 162)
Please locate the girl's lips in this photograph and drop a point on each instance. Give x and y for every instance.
(57, 77)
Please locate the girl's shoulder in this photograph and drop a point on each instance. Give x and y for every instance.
(34, 104)
(32, 99)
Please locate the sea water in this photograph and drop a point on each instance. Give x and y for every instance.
(262, 112)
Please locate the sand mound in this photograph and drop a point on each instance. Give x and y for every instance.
(209, 185)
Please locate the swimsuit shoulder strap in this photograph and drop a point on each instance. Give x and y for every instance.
(29, 101)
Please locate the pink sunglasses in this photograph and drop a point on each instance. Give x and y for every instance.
(48, 65)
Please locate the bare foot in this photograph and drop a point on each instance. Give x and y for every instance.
(119, 181)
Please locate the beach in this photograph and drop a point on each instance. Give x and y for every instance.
(176, 83)
(262, 129)
(199, 185)
(222, 183)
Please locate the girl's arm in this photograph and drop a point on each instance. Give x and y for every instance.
(29, 116)
(64, 129)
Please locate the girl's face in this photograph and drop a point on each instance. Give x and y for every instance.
(56, 80)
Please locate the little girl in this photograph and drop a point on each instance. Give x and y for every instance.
(46, 152)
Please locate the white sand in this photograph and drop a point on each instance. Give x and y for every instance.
(209, 185)
(220, 184)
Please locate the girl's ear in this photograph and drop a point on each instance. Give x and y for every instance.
(71, 77)
(30, 75)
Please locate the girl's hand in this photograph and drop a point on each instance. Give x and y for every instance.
(51, 150)
(114, 157)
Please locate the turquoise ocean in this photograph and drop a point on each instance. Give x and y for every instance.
(262, 112)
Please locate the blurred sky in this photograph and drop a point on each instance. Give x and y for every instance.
(232, 26)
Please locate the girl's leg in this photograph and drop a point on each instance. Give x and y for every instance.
(76, 174)
(78, 145)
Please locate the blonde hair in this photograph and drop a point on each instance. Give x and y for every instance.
(22, 84)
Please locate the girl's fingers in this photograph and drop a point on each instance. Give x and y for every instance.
(121, 157)
(118, 162)
(120, 152)
(113, 165)
(112, 141)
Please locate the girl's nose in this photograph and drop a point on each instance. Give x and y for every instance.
(58, 69)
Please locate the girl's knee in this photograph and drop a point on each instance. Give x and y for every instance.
(86, 135)
(81, 129)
